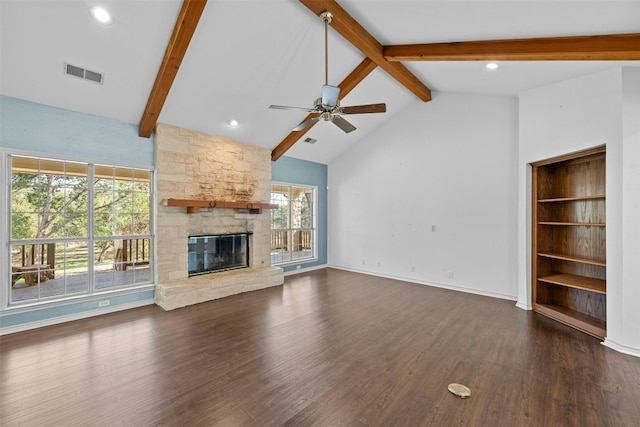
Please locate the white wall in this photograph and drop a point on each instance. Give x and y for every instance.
(574, 115)
(558, 119)
(450, 163)
(627, 318)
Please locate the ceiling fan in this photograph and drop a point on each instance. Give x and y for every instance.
(328, 106)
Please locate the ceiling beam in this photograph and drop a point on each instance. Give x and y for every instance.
(178, 43)
(355, 33)
(350, 82)
(611, 47)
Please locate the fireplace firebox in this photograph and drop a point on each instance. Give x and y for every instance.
(221, 252)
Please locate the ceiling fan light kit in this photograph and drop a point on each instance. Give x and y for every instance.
(327, 107)
(330, 95)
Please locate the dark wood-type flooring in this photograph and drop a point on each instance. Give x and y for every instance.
(329, 348)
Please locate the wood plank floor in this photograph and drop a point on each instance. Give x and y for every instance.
(329, 348)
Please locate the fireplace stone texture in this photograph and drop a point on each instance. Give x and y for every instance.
(194, 165)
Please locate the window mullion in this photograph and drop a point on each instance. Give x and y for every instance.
(290, 224)
(90, 244)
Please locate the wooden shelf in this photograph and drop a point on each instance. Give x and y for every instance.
(573, 259)
(574, 318)
(570, 288)
(581, 224)
(571, 199)
(194, 206)
(577, 282)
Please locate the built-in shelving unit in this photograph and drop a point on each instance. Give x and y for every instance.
(569, 240)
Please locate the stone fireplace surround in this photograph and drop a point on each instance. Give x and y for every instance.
(193, 165)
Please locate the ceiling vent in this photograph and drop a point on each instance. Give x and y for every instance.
(73, 70)
(310, 140)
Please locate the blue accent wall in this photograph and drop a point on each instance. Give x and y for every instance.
(295, 171)
(43, 130)
(82, 308)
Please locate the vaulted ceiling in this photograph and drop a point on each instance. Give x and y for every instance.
(245, 55)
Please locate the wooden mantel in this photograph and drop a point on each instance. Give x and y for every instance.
(193, 206)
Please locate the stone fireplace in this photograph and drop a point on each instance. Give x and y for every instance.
(195, 166)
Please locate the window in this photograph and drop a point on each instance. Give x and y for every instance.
(293, 224)
(77, 229)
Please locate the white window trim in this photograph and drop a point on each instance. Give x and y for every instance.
(5, 223)
(314, 257)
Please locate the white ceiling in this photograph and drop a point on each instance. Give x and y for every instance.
(248, 54)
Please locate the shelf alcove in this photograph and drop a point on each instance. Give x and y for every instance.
(569, 240)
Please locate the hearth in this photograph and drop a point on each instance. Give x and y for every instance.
(218, 252)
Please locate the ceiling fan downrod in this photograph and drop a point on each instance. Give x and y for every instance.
(326, 17)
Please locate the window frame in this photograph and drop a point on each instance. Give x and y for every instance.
(290, 229)
(92, 292)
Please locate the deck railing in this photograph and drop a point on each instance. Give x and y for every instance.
(301, 240)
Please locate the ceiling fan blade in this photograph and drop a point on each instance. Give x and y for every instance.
(343, 124)
(330, 95)
(306, 123)
(284, 107)
(362, 109)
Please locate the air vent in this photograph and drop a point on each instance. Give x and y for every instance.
(74, 70)
(310, 140)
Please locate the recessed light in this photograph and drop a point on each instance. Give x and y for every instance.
(492, 66)
(101, 15)
(233, 123)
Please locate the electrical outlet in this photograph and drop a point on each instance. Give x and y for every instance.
(413, 268)
(450, 274)
(364, 262)
(378, 263)
(433, 228)
(104, 303)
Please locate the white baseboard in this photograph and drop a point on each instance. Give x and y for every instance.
(433, 284)
(304, 270)
(74, 316)
(632, 351)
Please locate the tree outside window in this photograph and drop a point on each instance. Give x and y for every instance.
(77, 228)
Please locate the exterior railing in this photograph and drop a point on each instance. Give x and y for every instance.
(301, 240)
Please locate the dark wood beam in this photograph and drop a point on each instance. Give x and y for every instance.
(346, 86)
(178, 43)
(611, 47)
(355, 33)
